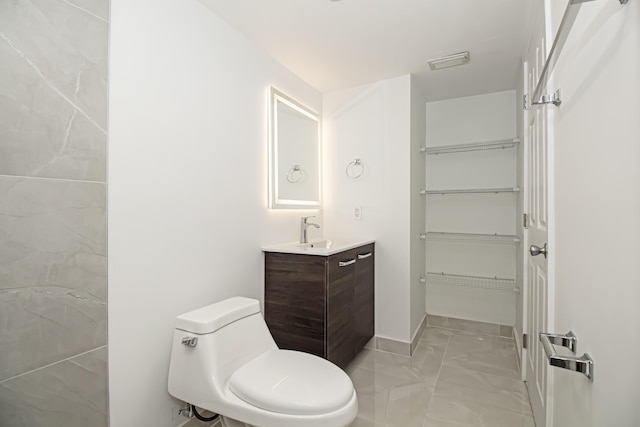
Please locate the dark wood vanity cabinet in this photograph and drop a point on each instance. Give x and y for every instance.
(322, 305)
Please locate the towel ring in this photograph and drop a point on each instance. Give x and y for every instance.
(296, 174)
(354, 169)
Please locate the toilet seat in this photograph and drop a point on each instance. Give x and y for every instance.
(292, 382)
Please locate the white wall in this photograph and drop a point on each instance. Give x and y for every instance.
(597, 182)
(372, 123)
(187, 185)
(465, 120)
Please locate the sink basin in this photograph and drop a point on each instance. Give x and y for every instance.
(321, 246)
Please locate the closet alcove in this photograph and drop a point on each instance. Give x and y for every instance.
(471, 197)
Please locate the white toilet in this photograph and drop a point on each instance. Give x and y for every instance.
(224, 360)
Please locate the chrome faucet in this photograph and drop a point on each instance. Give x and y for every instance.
(303, 228)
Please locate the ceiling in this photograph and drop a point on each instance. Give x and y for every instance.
(340, 44)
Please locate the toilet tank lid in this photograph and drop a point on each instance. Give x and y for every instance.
(210, 318)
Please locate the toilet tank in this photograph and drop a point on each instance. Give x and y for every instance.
(229, 334)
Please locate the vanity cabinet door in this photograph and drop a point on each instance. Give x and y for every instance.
(321, 305)
(340, 305)
(295, 301)
(364, 316)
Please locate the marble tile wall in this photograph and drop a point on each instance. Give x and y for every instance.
(53, 146)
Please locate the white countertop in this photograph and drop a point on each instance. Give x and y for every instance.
(320, 246)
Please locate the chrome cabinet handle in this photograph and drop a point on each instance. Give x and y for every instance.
(537, 250)
(345, 263)
(363, 256)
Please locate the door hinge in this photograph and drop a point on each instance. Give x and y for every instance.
(525, 102)
(525, 220)
(525, 341)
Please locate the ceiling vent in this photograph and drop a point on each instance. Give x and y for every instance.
(449, 61)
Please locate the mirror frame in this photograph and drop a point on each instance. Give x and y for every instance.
(275, 201)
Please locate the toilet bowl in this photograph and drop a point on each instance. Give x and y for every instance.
(224, 360)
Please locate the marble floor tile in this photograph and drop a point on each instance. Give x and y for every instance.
(407, 405)
(434, 335)
(431, 421)
(492, 391)
(482, 382)
(422, 367)
(488, 354)
(454, 379)
(373, 394)
(471, 413)
(387, 400)
(359, 422)
(507, 419)
(427, 361)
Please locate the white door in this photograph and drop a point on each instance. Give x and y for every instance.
(595, 218)
(537, 291)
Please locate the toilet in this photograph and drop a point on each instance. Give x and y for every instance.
(224, 360)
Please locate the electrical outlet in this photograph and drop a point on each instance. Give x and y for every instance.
(357, 213)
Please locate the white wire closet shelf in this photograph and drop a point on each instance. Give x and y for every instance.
(475, 146)
(475, 190)
(473, 237)
(478, 282)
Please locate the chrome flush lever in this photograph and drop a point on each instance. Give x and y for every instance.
(190, 341)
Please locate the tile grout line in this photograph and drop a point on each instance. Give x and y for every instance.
(52, 179)
(51, 364)
(446, 348)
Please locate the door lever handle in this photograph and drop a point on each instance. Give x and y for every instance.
(535, 250)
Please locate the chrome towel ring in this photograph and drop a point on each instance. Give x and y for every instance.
(354, 169)
(296, 174)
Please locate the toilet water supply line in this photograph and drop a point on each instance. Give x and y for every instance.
(200, 417)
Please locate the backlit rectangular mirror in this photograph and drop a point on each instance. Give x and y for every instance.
(294, 154)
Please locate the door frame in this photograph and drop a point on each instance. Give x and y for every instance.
(524, 288)
(550, 112)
